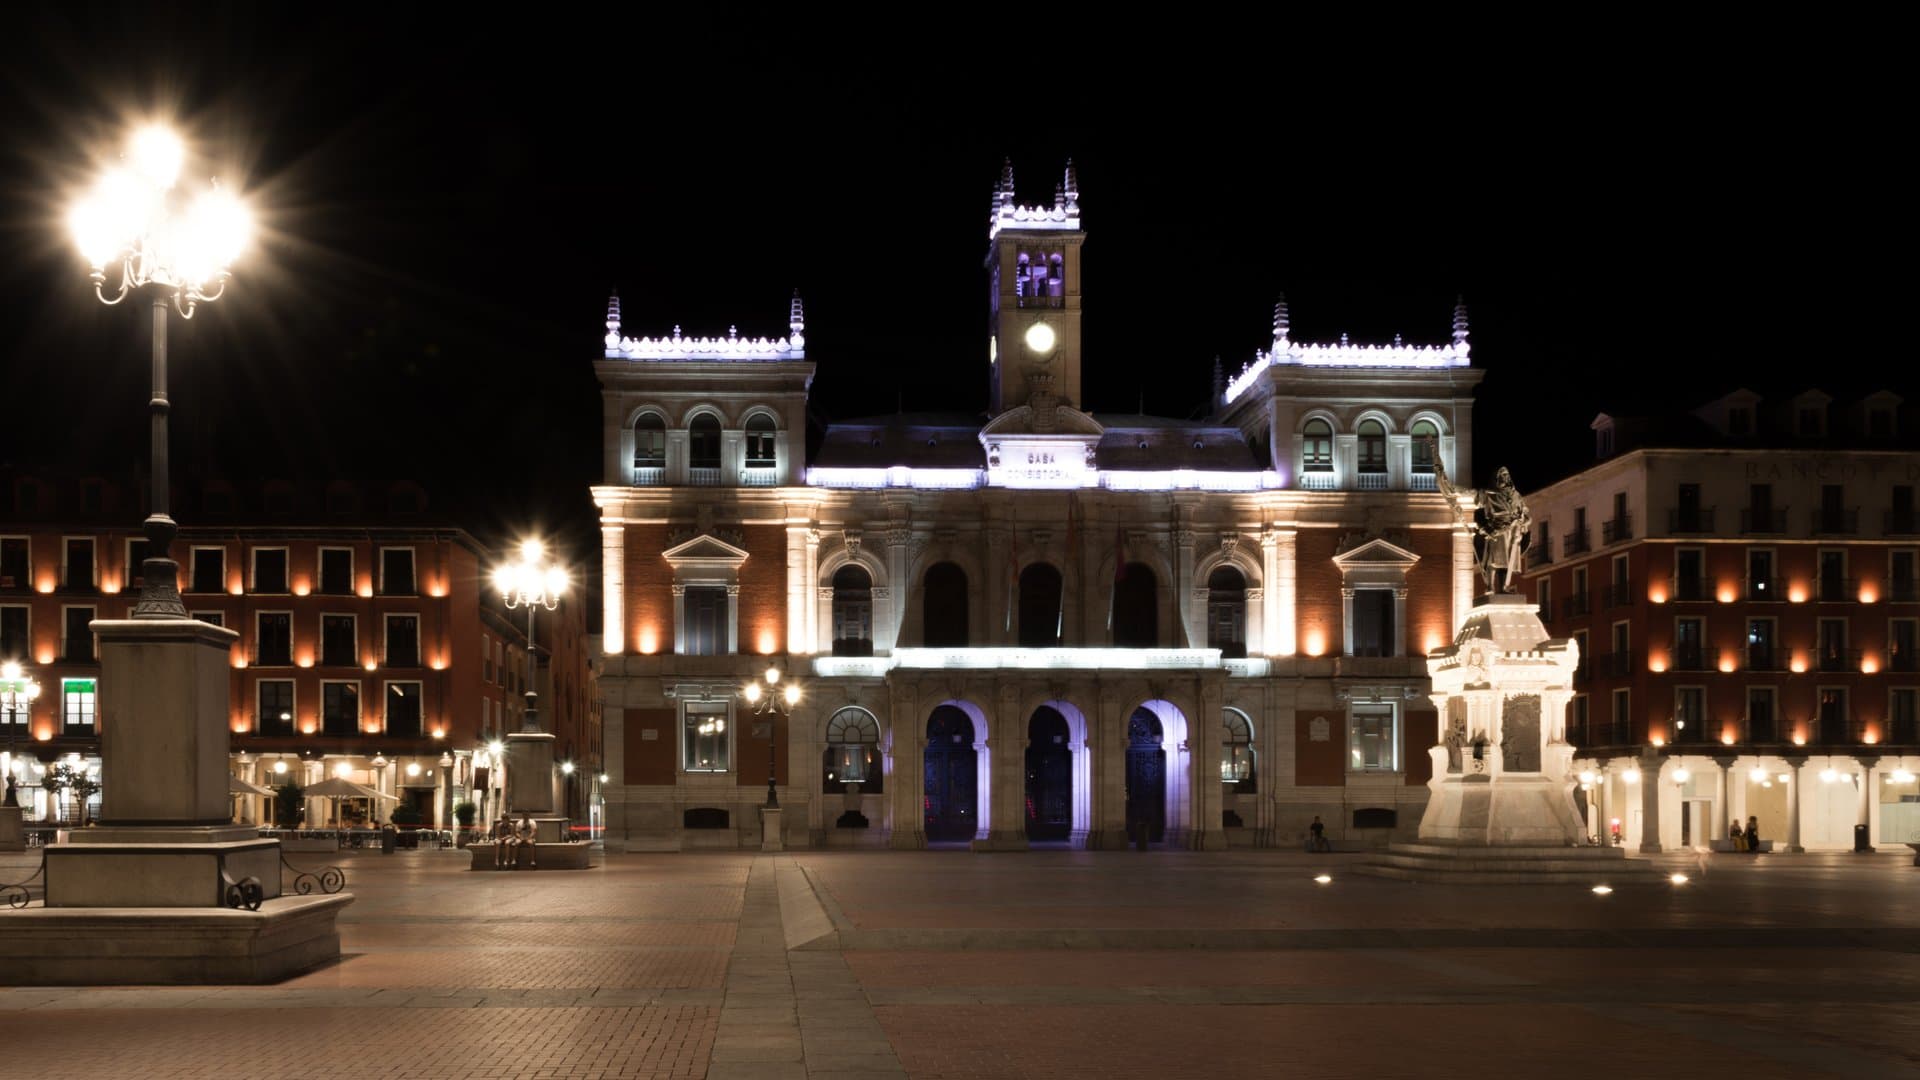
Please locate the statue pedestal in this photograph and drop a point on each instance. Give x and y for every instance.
(773, 836)
(13, 829)
(1523, 811)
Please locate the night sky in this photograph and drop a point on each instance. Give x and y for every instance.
(1637, 222)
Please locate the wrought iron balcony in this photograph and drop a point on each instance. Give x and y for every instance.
(1763, 519)
(1614, 530)
(1620, 594)
(1690, 589)
(1694, 659)
(1577, 605)
(1576, 542)
(1690, 521)
(1766, 590)
(1903, 592)
(1838, 590)
(1900, 523)
(1763, 658)
(1836, 522)
(1613, 665)
(1839, 660)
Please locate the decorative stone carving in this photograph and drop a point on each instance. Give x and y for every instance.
(1254, 592)
(1229, 542)
(1318, 730)
(1520, 733)
(851, 537)
(899, 534)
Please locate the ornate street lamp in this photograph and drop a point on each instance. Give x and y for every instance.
(17, 688)
(531, 583)
(140, 234)
(775, 702)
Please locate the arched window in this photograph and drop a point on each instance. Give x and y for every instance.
(760, 442)
(1236, 752)
(1040, 615)
(1373, 447)
(703, 442)
(1227, 612)
(649, 442)
(852, 612)
(943, 622)
(1056, 276)
(1316, 446)
(852, 756)
(1136, 608)
(1426, 440)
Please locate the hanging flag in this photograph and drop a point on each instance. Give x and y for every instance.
(1119, 569)
(1073, 543)
(1013, 567)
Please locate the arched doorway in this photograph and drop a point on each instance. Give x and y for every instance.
(952, 777)
(1146, 776)
(1049, 776)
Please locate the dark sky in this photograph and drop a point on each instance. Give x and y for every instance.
(1639, 217)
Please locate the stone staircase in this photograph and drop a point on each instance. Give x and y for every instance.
(1461, 864)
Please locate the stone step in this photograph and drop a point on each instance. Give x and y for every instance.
(1494, 864)
(1560, 851)
(1589, 876)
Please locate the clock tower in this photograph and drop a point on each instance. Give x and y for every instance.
(1033, 266)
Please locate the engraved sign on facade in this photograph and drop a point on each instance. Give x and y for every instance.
(1319, 730)
(650, 734)
(1520, 733)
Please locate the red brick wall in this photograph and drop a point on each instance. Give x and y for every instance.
(763, 592)
(1430, 593)
(1320, 764)
(649, 591)
(1419, 733)
(1318, 600)
(750, 761)
(649, 762)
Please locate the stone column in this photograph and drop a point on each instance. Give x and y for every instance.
(1722, 812)
(1183, 588)
(613, 593)
(1737, 793)
(1795, 766)
(799, 585)
(811, 564)
(1005, 793)
(1277, 552)
(1109, 739)
(1204, 735)
(1400, 627)
(1650, 801)
(1605, 833)
(907, 783)
(1346, 622)
(900, 569)
(1463, 574)
(1864, 798)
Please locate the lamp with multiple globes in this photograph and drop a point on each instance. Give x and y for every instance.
(17, 690)
(140, 232)
(532, 583)
(774, 701)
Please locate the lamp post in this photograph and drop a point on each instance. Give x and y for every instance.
(133, 227)
(531, 583)
(773, 702)
(16, 687)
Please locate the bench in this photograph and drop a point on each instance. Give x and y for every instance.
(1727, 846)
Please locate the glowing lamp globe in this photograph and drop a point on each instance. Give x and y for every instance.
(1040, 338)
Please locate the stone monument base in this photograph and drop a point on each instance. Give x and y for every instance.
(544, 856)
(773, 829)
(13, 829)
(1503, 810)
(132, 868)
(42, 946)
(1479, 864)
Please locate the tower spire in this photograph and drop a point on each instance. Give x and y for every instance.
(1219, 382)
(613, 315)
(1071, 182)
(1459, 320)
(1282, 323)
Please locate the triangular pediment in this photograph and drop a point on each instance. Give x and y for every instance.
(1057, 420)
(1375, 554)
(705, 549)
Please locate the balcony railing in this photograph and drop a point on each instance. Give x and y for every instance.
(1838, 590)
(1613, 665)
(1836, 522)
(1690, 659)
(704, 477)
(1904, 730)
(649, 475)
(1540, 554)
(1762, 730)
(1577, 605)
(1763, 519)
(1040, 301)
(1690, 521)
(1373, 481)
(1620, 594)
(1576, 542)
(77, 650)
(1900, 523)
(1690, 589)
(1763, 658)
(1318, 480)
(1903, 592)
(1546, 610)
(1422, 481)
(1614, 530)
(1906, 661)
(1838, 660)
(760, 476)
(1765, 590)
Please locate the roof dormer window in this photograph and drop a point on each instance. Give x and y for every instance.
(1740, 421)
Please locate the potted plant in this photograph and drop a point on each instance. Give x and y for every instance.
(77, 779)
(407, 820)
(290, 802)
(464, 812)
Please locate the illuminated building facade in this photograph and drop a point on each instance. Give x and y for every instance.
(371, 645)
(1742, 584)
(1058, 626)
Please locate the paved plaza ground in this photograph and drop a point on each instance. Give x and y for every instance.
(953, 966)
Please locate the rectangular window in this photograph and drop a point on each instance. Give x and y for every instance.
(1622, 717)
(1578, 593)
(1689, 714)
(1689, 637)
(1761, 722)
(336, 571)
(403, 709)
(1740, 421)
(1834, 717)
(1901, 717)
(1833, 576)
(403, 641)
(273, 639)
(1689, 574)
(1901, 577)
(706, 619)
(338, 644)
(78, 574)
(1580, 672)
(340, 708)
(704, 736)
(1371, 746)
(1373, 627)
(270, 570)
(1900, 645)
(14, 563)
(1900, 517)
(15, 625)
(1760, 583)
(1760, 509)
(1544, 596)
(486, 658)
(76, 644)
(275, 715)
(208, 570)
(1833, 646)
(1760, 651)
(78, 701)
(396, 572)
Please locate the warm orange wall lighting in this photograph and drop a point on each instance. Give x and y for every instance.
(1726, 738)
(1799, 737)
(372, 664)
(366, 587)
(439, 663)
(308, 727)
(301, 586)
(239, 660)
(110, 586)
(1870, 736)
(1797, 663)
(1657, 594)
(649, 640)
(1797, 593)
(46, 656)
(45, 586)
(305, 659)
(1316, 642)
(1869, 594)
(437, 589)
(1869, 664)
(1434, 642)
(1727, 664)
(1727, 594)
(766, 642)
(1656, 662)
(43, 734)
(1657, 740)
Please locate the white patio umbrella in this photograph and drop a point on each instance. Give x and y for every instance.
(336, 787)
(237, 786)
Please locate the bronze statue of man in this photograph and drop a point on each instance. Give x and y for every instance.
(1502, 526)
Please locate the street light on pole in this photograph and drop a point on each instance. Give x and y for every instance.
(531, 583)
(138, 232)
(773, 702)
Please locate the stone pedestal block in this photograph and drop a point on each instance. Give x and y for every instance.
(163, 751)
(530, 773)
(13, 829)
(773, 834)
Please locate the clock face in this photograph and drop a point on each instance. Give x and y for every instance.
(1040, 338)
